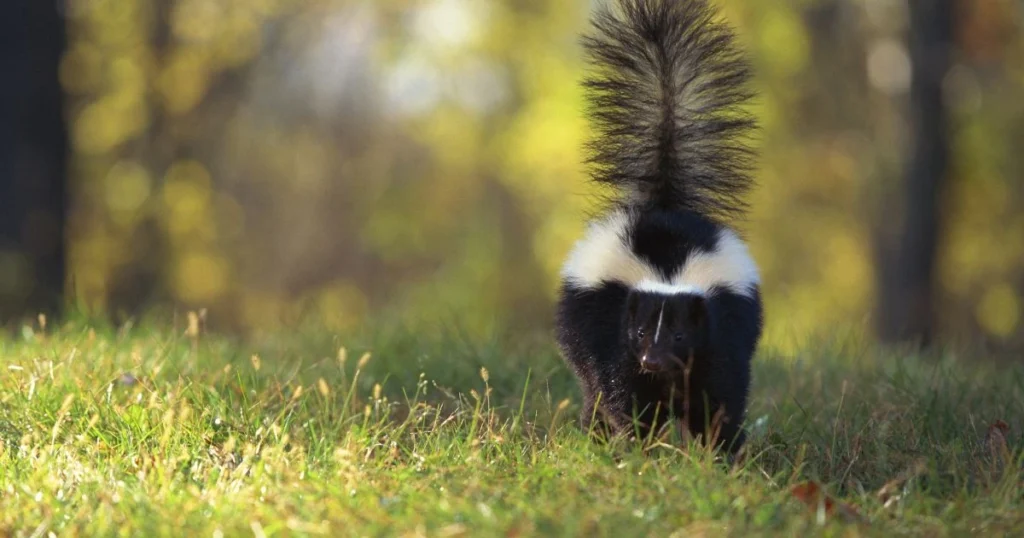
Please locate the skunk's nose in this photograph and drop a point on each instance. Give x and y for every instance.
(651, 363)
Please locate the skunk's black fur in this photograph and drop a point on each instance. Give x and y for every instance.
(660, 310)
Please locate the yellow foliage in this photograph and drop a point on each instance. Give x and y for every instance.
(999, 310)
(197, 21)
(186, 194)
(240, 40)
(200, 277)
(260, 309)
(97, 130)
(128, 186)
(784, 35)
(183, 81)
(466, 206)
(341, 306)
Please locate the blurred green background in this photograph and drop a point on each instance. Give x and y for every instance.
(422, 160)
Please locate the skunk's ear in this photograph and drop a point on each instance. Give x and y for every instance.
(698, 310)
(632, 304)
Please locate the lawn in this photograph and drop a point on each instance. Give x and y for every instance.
(144, 431)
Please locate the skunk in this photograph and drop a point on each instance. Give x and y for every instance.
(659, 310)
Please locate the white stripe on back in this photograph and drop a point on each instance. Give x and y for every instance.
(603, 255)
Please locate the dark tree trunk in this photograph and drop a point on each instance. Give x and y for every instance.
(33, 160)
(907, 296)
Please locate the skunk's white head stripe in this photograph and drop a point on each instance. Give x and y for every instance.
(661, 316)
(603, 255)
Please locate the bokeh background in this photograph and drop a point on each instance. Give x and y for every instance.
(421, 160)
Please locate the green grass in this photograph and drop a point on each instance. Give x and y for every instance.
(147, 432)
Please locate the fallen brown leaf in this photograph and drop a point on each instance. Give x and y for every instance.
(995, 443)
(813, 495)
(995, 437)
(890, 492)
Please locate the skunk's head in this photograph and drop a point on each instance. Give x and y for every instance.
(665, 331)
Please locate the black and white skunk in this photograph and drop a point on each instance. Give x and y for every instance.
(660, 309)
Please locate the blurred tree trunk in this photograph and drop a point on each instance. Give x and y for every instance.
(907, 294)
(33, 160)
(140, 281)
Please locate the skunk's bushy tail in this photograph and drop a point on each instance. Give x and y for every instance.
(666, 96)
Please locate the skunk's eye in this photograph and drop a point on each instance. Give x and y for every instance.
(640, 333)
(679, 337)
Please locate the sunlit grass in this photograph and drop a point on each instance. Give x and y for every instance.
(145, 431)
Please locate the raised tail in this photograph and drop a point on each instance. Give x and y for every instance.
(666, 94)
